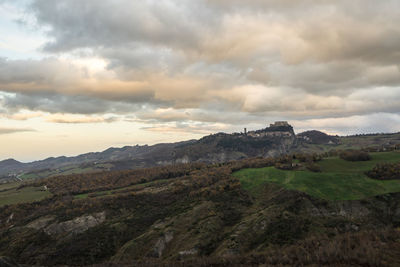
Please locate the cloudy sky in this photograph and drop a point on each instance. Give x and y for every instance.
(79, 76)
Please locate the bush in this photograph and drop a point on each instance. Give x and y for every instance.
(355, 155)
(284, 166)
(385, 171)
(311, 166)
(304, 157)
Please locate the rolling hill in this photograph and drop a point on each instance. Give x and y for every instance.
(337, 180)
(243, 212)
(277, 139)
(214, 148)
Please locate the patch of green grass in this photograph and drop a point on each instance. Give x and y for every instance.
(8, 186)
(339, 179)
(76, 171)
(81, 196)
(26, 194)
(28, 176)
(336, 164)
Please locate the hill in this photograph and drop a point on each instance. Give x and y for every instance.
(318, 138)
(337, 180)
(220, 147)
(201, 214)
(276, 139)
(10, 164)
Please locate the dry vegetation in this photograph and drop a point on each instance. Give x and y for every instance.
(206, 210)
(355, 155)
(385, 171)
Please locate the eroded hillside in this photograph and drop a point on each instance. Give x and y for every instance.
(195, 214)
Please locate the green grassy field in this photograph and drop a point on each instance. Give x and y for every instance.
(8, 186)
(27, 194)
(339, 179)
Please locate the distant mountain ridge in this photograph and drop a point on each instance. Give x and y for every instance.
(219, 147)
(279, 138)
(13, 167)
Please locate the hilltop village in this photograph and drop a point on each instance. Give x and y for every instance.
(277, 129)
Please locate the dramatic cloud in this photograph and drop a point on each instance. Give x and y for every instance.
(208, 64)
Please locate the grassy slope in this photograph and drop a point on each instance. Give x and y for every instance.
(339, 179)
(26, 194)
(353, 142)
(7, 186)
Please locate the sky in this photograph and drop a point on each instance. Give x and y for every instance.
(79, 76)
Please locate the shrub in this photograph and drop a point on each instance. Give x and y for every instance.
(284, 166)
(385, 171)
(306, 157)
(311, 166)
(355, 155)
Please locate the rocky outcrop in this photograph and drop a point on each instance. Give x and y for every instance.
(152, 244)
(75, 226)
(186, 253)
(41, 222)
(184, 159)
(10, 218)
(161, 244)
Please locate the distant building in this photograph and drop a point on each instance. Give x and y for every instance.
(279, 124)
(277, 129)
